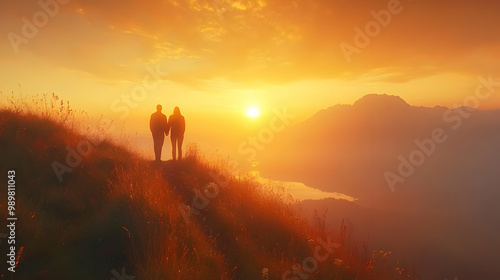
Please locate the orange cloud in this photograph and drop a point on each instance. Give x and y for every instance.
(261, 41)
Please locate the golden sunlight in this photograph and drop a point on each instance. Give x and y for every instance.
(253, 112)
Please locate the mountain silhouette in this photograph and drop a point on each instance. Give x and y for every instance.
(381, 102)
(450, 187)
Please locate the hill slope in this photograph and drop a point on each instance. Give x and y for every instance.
(110, 213)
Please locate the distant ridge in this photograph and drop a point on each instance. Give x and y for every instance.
(450, 183)
(381, 101)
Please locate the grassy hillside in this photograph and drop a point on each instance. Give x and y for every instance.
(117, 214)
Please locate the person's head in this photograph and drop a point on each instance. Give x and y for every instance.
(158, 108)
(177, 111)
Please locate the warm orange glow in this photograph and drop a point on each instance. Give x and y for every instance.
(372, 102)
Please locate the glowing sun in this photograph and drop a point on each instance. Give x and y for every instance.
(253, 112)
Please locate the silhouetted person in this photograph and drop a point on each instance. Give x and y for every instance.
(177, 127)
(159, 128)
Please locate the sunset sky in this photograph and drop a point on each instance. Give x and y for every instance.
(215, 58)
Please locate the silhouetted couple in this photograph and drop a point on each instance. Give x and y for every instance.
(160, 128)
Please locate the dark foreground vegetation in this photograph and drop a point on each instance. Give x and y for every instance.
(116, 215)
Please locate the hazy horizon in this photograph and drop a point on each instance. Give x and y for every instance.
(115, 62)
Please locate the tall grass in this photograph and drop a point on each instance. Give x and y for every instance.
(118, 210)
(42, 105)
(162, 244)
